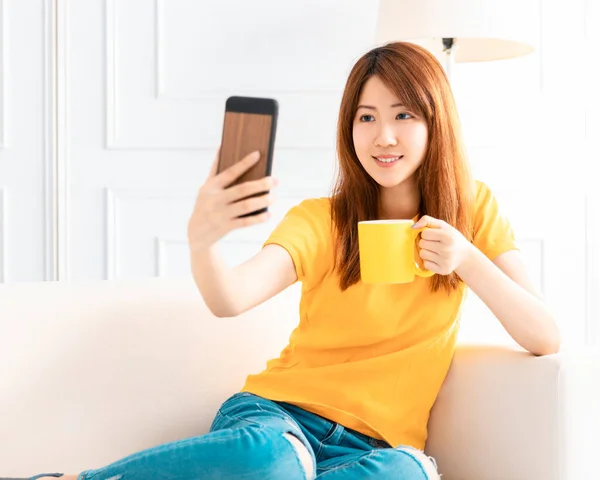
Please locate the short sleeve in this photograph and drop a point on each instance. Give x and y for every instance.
(493, 234)
(305, 233)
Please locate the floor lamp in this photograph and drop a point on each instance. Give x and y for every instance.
(462, 30)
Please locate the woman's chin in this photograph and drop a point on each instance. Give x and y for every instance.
(390, 182)
(391, 177)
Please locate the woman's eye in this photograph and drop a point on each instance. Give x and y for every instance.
(366, 118)
(404, 116)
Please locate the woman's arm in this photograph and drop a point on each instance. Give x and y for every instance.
(504, 286)
(229, 292)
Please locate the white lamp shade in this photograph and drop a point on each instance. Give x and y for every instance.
(483, 29)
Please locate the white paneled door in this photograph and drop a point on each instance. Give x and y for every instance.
(26, 141)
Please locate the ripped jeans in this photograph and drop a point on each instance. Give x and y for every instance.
(248, 440)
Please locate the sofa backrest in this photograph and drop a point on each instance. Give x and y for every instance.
(145, 356)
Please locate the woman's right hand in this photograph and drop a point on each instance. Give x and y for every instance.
(217, 207)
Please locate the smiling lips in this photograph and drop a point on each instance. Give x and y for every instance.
(387, 161)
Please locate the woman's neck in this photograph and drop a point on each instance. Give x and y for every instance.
(399, 202)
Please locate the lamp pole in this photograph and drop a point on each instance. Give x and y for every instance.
(449, 51)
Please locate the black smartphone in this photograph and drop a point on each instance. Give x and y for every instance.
(250, 124)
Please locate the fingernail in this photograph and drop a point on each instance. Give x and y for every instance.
(255, 155)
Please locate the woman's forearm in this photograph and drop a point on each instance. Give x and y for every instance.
(213, 279)
(524, 316)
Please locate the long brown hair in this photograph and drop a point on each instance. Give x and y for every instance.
(444, 180)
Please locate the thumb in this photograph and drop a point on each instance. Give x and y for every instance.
(420, 223)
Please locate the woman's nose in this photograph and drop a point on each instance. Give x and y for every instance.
(386, 136)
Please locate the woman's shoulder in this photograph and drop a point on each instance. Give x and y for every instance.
(317, 205)
(482, 190)
(484, 197)
(305, 233)
(316, 209)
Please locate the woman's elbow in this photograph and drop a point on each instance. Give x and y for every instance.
(548, 346)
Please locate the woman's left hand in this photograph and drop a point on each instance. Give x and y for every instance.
(442, 248)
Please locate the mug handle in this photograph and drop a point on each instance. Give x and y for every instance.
(421, 272)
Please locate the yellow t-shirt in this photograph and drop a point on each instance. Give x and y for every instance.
(372, 358)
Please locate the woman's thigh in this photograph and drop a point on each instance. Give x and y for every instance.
(246, 409)
(249, 438)
(403, 463)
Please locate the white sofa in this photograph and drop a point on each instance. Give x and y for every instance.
(94, 371)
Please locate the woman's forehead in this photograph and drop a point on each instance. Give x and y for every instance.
(375, 91)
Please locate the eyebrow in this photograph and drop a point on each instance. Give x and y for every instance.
(369, 107)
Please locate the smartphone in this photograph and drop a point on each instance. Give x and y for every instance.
(250, 124)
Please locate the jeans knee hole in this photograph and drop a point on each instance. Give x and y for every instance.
(304, 456)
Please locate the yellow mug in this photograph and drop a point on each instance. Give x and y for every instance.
(387, 251)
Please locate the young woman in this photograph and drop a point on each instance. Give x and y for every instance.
(350, 396)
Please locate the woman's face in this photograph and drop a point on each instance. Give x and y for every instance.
(390, 140)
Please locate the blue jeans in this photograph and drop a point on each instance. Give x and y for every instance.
(247, 441)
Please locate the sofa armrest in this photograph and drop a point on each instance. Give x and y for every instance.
(504, 414)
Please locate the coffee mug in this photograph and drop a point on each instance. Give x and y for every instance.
(387, 251)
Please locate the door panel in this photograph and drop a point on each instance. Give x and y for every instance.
(26, 142)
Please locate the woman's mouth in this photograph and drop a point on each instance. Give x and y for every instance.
(386, 161)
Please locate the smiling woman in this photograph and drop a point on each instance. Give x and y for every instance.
(351, 394)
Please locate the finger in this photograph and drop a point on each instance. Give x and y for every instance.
(433, 234)
(248, 221)
(429, 255)
(228, 176)
(215, 166)
(432, 266)
(427, 221)
(237, 192)
(430, 245)
(249, 205)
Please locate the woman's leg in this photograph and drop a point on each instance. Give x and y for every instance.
(345, 454)
(404, 463)
(251, 437)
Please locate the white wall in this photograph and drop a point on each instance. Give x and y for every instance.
(532, 129)
(141, 89)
